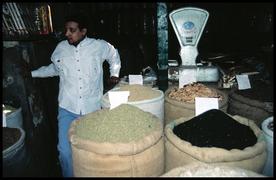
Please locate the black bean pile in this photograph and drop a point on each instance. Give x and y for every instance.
(10, 137)
(214, 128)
(260, 91)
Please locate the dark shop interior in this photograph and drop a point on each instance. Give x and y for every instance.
(149, 89)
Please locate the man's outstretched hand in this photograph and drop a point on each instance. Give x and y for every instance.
(113, 80)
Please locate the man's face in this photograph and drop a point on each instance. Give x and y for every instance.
(73, 33)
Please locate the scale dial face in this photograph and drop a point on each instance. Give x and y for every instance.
(188, 24)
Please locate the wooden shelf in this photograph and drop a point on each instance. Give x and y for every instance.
(26, 21)
(33, 37)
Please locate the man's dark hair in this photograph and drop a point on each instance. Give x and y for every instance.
(79, 18)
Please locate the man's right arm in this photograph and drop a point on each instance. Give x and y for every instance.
(45, 71)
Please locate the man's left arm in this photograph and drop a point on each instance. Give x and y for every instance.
(113, 58)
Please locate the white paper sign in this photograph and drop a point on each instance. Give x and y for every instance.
(204, 104)
(243, 82)
(186, 77)
(117, 97)
(4, 123)
(135, 79)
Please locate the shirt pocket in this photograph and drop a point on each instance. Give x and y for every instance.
(60, 64)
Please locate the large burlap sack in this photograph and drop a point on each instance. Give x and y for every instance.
(144, 157)
(252, 109)
(210, 170)
(179, 152)
(177, 109)
(153, 105)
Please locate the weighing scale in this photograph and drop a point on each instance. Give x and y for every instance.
(188, 24)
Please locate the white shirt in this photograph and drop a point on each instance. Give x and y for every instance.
(81, 74)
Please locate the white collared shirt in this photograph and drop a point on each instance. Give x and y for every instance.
(81, 74)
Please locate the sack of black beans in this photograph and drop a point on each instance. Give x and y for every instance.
(124, 141)
(217, 138)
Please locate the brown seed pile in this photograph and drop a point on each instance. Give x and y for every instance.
(139, 92)
(190, 91)
(124, 123)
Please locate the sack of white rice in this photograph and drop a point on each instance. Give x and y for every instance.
(210, 170)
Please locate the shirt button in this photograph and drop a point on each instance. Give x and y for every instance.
(77, 60)
(80, 87)
(79, 78)
(80, 97)
(78, 70)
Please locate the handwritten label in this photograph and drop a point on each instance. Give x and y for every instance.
(117, 98)
(243, 82)
(135, 79)
(204, 104)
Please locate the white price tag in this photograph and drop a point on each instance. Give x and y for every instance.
(243, 82)
(186, 77)
(135, 79)
(117, 97)
(204, 104)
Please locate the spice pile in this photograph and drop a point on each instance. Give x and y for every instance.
(139, 92)
(214, 128)
(124, 123)
(190, 91)
(260, 91)
(10, 137)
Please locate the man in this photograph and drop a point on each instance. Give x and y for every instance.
(78, 62)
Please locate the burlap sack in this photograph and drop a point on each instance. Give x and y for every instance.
(179, 152)
(252, 109)
(144, 157)
(176, 109)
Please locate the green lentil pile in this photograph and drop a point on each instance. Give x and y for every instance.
(124, 123)
(139, 92)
